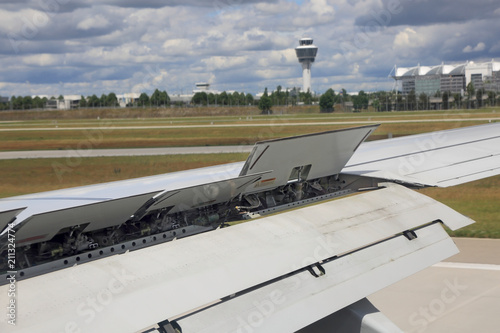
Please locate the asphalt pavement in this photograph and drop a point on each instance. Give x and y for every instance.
(460, 295)
(123, 152)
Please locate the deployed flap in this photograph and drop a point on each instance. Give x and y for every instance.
(443, 159)
(178, 277)
(304, 157)
(296, 301)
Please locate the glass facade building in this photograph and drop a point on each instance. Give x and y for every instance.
(451, 78)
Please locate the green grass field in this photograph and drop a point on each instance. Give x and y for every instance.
(20, 176)
(479, 200)
(102, 133)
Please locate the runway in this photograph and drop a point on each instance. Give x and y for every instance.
(278, 122)
(123, 152)
(459, 295)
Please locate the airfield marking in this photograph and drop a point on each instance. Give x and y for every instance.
(29, 154)
(364, 122)
(463, 265)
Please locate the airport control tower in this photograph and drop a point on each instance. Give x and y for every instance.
(306, 52)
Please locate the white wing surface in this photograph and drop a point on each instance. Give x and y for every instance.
(443, 159)
(320, 259)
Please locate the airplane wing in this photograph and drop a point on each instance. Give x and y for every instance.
(443, 159)
(304, 257)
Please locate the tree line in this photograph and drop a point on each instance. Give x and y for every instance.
(472, 99)
(224, 98)
(284, 98)
(396, 101)
(25, 102)
(278, 97)
(158, 98)
(379, 101)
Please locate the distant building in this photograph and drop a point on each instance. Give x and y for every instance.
(202, 86)
(452, 78)
(186, 98)
(205, 87)
(181, 98)
(127, 99)
(66, 103)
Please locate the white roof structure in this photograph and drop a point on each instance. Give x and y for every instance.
(486, 67)
(412, 71)
(72, 97)
(440, 70)
(453, 78)
(128, 96)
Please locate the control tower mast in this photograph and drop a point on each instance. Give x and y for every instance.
(306, 53)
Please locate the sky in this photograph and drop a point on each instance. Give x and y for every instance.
(85, 47)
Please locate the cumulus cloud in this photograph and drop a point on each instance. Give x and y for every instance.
(408, 38)
(479, 47)
(90, 46)
(275, 8)
(96, 22)
(314, 12)
(426, 12)
(224, 63)
(58, 6)
(178, 47)
(43, 59)
(149, 78)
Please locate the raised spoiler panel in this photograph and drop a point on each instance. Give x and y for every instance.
(443, 159)
(8, 216)
(318, 155)
(201, 195)
(67, 199)
(166, 281)
(43, 227)
(108, 204)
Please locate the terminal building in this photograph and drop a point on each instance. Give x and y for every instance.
(186, 98)
(451, 78)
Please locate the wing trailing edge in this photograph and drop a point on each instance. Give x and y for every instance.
(320, 258)
(444, 158)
